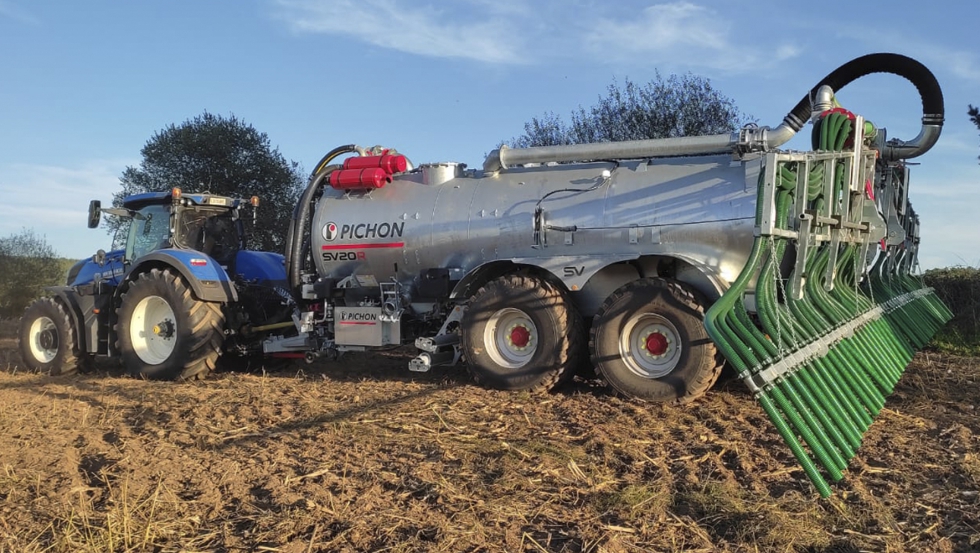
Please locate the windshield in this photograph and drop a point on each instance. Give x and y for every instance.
(213, 232)
(150, 230)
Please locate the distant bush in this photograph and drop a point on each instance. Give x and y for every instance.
(27, 265)
(959, 288)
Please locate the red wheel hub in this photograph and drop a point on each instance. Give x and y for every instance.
(520, 336)
(656, 344)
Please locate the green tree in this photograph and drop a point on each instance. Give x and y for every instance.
(685, 105)
(974, 114)
(226, 156)
(27, 265)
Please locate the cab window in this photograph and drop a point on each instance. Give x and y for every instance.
(213, 232)
(149, 231)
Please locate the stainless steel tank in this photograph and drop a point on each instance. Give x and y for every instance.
(572, 219)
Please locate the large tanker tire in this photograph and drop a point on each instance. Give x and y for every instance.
(47, 339)
(648, 341)
(164, 333)
(521, 333)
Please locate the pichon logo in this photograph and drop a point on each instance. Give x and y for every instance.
(348, 316)
(332, 231)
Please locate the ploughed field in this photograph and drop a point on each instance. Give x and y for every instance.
(361, 455)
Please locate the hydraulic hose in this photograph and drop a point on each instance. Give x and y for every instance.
(933, 110)
(299, 227)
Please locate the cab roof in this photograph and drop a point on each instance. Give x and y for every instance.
(139, 201)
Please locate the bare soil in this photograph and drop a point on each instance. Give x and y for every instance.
(362, 455)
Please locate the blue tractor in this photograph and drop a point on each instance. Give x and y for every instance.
(178, 290)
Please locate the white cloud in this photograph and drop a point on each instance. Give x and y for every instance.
(53, 200)
(945, 244)
(682, 34)
(961, 63)
(945, 201)
(679, 34)
(486, 34)
(958, 142)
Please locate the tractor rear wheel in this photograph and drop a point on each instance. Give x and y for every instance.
(521, 333)
(648, 341)
(47, 339)
(164, 333)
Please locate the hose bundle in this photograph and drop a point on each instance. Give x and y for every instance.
(826, 343)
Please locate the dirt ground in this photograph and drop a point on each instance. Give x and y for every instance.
(362, 455)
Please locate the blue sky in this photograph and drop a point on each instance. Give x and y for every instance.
(84, 85)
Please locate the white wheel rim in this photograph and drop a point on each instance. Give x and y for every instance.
(511, 338)
(44, 339)
(650, 346)
(153, 330)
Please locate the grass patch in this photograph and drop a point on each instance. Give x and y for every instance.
(733, 515)
(634, 504)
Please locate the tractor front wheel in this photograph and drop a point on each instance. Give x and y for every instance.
(47, 338)
(164, 333)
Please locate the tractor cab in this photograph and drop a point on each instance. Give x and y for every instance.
(206, 223)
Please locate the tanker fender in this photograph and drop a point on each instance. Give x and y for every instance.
(706, 278)
(573, 271)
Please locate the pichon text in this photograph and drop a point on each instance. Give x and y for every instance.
(348, 316)
(372, 230)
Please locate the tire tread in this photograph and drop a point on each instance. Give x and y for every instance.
(71, 358)
(205, 320)
(688, 297)
(569, 322)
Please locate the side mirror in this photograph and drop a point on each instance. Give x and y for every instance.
(99, 257)
(94, 213)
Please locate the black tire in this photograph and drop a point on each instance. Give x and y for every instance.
(164, 333)
(47, 339)
(648, 341)
(544, 343)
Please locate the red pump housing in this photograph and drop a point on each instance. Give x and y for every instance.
(390, 163)
(366, 172)
(355, 179)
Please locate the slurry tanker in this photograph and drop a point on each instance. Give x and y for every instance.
(649, 262)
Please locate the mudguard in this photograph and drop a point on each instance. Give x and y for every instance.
(67, 296)
(207, 279)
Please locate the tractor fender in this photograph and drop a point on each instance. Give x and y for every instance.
(67, 296)
(206, 277)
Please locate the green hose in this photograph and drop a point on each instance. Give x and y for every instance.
(821, 365)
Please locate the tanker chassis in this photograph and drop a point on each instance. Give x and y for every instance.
(556, 260)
